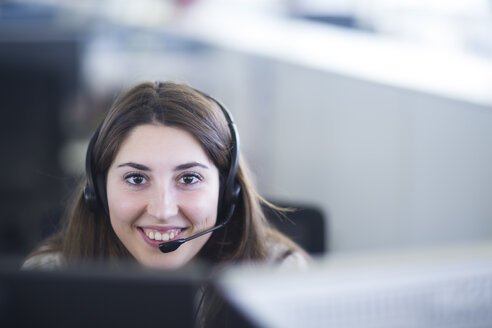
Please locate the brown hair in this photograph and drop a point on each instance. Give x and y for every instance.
(89, 235)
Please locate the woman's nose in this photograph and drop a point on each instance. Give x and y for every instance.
(163, 204)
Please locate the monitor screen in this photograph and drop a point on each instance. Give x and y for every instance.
(97, 297)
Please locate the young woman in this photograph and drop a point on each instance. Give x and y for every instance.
(165, 185)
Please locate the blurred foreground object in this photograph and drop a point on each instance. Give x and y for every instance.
(449, 287)
(97, 295)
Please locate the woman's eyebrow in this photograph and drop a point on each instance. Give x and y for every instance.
(189, 165)
(135, 166)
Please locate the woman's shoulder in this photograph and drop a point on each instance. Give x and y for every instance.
(43, 259)
(285, 252)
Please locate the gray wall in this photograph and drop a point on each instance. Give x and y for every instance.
(391, 168)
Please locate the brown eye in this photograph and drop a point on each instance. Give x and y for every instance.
(190, 179)
(136, 179)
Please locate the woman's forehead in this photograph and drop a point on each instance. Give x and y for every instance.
(157, 143)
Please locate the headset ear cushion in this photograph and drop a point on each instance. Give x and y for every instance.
(102, 200)
(90, 198)
(231, 202)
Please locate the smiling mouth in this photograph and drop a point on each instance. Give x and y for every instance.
(162, 236)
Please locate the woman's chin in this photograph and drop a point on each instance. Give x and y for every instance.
(162, 262)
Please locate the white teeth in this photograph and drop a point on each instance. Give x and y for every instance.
(156, 235)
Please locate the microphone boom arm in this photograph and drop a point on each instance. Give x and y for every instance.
(173, 245)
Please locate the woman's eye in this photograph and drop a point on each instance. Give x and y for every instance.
(136, 179)
(189, 179)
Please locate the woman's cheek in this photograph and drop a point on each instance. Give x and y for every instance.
(123, 207)
(201, 208)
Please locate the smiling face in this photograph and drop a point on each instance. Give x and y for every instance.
(162, 186)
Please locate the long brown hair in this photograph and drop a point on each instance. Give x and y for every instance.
(89, 235)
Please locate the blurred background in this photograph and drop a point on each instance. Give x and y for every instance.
(377, 113)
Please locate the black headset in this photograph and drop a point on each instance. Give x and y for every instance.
(91, 190)
(95, 190)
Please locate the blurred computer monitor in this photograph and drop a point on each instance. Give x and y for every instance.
(97, 297)
(450, 287)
